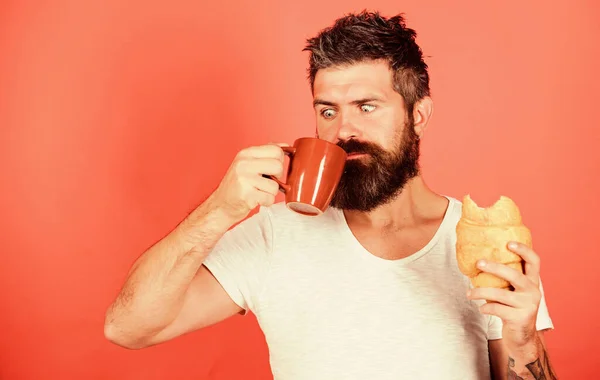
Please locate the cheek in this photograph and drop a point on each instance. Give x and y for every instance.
(383, 130)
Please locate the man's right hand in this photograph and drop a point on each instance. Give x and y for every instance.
(243, 187)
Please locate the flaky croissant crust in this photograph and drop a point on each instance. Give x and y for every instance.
(483, 233)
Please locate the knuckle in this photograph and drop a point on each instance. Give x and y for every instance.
(275, 149)
(272, 166)
(281, 153)
(279, 168)
(531, 255)
(250, 202)
(533, 299)
(273, 190)
(242, 153)
(274, 187)
(512, 298)
(265, 150)
(249, 191)
(263, 199)
(239, 166)
(244, 198)
(243, 166)
(276, 152)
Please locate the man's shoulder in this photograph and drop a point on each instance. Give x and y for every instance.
(281, 215)
(454, 210)
(278, 221)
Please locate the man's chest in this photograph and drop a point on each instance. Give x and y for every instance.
(362, 318)
(373, 314)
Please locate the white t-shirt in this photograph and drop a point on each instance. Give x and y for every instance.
(331, 310)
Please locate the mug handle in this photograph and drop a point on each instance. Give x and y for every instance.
(283, 187)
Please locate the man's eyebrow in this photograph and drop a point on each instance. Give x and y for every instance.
(365, 100)
(322, 102)
(318, 101)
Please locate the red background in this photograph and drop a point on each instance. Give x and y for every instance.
(117, 118)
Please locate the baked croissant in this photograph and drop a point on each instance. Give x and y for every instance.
(483, 233)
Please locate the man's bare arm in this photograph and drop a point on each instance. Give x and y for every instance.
(168, 292)
(532, 362)
(168, 283)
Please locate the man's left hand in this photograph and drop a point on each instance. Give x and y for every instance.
(517, 308)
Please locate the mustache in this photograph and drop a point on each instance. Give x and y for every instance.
(360, 147)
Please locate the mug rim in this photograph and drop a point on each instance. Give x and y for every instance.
(321, 140)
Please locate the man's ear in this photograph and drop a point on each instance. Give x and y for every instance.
(422, 112)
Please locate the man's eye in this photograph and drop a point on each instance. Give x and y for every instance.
(367, 108)
(328, 113)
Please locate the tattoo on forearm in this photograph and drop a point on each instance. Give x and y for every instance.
(512, 375)
(536, 370)
(539, 371)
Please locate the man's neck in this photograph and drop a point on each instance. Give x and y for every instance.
(416, 204)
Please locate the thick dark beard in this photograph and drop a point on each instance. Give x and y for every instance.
(375, 180)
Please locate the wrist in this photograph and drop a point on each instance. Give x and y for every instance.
(205, 225)
(213, 214)
(527, 350)
(529, 361)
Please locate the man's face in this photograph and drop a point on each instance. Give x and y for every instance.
(358, 109)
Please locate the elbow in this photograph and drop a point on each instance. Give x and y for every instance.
(114, 334)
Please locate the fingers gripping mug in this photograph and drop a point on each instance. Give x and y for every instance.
(313, 174)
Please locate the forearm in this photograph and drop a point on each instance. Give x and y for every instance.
(155, 288)
(530, 362)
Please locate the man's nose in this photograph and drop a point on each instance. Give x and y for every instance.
(347, 129)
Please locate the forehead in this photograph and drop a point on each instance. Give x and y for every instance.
(354, 81)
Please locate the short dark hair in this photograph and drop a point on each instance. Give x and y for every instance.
(369, 36)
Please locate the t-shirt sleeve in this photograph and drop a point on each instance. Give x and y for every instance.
(543, 320)
(240, 259)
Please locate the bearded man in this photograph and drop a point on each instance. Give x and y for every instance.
(370, 289)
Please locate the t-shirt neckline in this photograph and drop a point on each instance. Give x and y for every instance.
(358, 247)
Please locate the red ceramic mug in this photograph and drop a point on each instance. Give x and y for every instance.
(313, 174)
